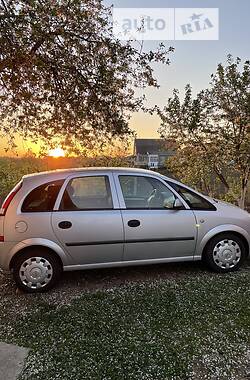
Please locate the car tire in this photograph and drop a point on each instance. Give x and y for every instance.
(225, 253)
(37, 270)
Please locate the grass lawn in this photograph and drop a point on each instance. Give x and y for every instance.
(194, 327)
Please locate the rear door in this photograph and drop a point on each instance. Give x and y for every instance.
(88, 220)
(153, 228)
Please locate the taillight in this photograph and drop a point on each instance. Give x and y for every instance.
(9, 198)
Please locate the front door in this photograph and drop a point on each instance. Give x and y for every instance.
(87, 223)
(153, 228)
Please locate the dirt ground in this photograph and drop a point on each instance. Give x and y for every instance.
(73, 284)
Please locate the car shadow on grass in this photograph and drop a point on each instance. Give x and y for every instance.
(108, 277)
(72, 284)
(76, 283)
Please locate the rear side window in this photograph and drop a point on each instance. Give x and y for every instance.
(87, 193)
(195, 201)
(42, 198)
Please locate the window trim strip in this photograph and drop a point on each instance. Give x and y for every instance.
(129, 241)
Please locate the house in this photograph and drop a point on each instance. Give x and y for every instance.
(152, 153)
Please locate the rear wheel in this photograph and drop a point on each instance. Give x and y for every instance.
(36, 270)
(225, 253)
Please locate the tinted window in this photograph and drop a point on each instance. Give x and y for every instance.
(145, 193)
(42, 198)
(85, 193)
(195, 201)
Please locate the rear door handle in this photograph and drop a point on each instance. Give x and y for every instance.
(134, 223)
(65, 224)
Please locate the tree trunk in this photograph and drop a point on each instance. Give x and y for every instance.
(243, 192)
(221, 177)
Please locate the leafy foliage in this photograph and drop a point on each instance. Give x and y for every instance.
(63, 74)
(189, 166)
(214, 127)
(12, 170)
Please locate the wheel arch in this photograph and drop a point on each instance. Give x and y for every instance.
(30, 244)
(240, 235)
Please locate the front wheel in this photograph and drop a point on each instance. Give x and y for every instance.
(36, 270)
(225, 253)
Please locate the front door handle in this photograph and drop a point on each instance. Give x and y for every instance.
(65, 224)
(134, 223)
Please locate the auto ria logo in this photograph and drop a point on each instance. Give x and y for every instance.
(166, 23)
(197, 24)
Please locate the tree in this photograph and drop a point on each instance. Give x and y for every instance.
(229, 103)
(188, 166)
(197, 173)
(64, 75)
(215, 124)
(12, 170)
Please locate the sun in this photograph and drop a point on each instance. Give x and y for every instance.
(56, 152)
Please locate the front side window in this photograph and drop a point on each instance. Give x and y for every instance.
(42, 198)
(145, 193)
(195, 201)
(85, 193)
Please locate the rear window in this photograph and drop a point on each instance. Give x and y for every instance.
(42, 198)
(195, 201)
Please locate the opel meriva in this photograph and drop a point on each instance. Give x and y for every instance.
(107, 217)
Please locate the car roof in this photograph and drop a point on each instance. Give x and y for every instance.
(63, 173)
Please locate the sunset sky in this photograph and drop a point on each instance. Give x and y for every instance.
(193, 61)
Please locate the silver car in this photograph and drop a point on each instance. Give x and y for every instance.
(111, 217)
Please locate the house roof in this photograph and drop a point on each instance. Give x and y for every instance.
(151, 146)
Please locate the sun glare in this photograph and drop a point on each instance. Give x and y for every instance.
(56, 152)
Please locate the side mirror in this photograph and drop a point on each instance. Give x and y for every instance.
(177, 204)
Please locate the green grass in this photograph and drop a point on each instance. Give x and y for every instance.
(196, 328)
